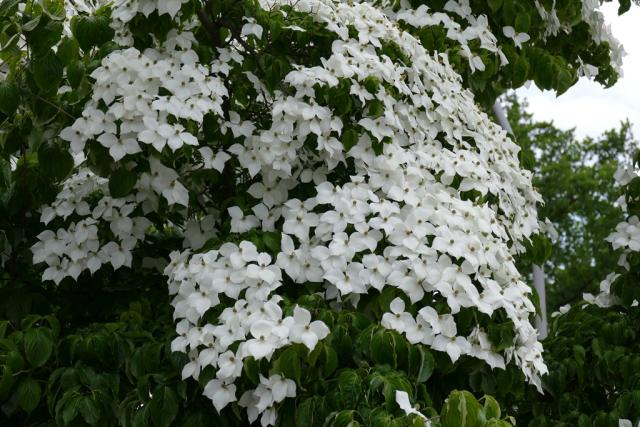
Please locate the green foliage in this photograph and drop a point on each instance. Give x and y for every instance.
(594, 362)
(575, 178)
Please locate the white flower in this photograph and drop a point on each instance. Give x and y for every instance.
(192, 369)
(119, 146)
(251, 28)
(303, 330)
(265, 341)
(221, 393)
(229, 366)
(212, 161)
(398, 319)
(241, 223)
(518, 38)
(453, 346)
(402, 399)
(263, 270)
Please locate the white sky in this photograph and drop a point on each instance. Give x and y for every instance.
(589, 107)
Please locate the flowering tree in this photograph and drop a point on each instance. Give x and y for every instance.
(336, 217)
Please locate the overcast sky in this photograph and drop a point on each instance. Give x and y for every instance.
(589, 107)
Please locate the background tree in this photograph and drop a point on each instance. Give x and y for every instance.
(592, 348)
(574, 177)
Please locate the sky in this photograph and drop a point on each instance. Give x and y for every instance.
(589, 107)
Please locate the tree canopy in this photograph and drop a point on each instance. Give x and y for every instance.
(281, 212)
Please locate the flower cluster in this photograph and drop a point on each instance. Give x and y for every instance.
(256, 320)
(477, 29)
(626, 238)
(126, 10)
(129, 82)
(69, 251)
(601, 32)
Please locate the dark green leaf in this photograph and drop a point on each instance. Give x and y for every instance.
(310, 411)
(376, 108)
(55, 161)
(75, 73)
(6, 5)
(47, 71)
(29, 394)
(122, 182)
(9, 98)
(32, 24)
(252, 370)
(330, 361)
(38, 346)
(68, 50)
(91, 31)
(494, 5)
(163, 406)
(89, 410)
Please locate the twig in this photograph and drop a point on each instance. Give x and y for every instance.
(57, 107)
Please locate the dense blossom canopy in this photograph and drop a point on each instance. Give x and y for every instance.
(310, 147)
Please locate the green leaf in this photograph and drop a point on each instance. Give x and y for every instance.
(349, 138)
(71, 407)
(252, 370)
(68, 50)
(461, 409)
(7, 5)
(376, 108)
(371, 83)
(6, 381)
(75, 73)
(89, 410)
(520, 71)
(44, 37)
(32, 24)
(54, 9)
(427, 364)
(163, 406)
(624, 6)
(349, 388)
(491, 408)
(330, 361)
(38, 346)
(494, 5)
(579, 354)
(310, 411)
(55, 162)
(91, 31)
(47, 71)
(289, 364)
(29, 394)
(122, 182)
(344, 419)
(272, 241)
(9, 98)
(523, 22)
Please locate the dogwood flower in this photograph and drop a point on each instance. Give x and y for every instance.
(221, 393)
(518, 38)
(304, 331)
